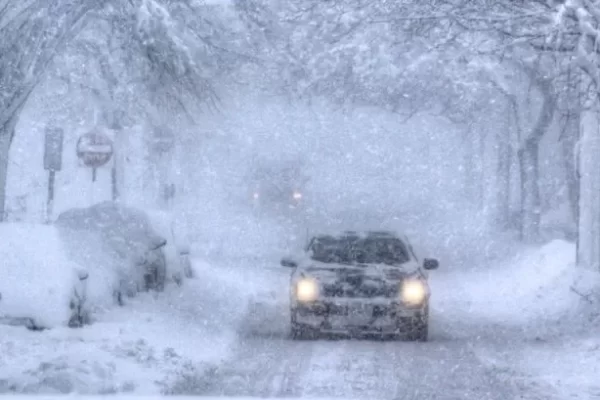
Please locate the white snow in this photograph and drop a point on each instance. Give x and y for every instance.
(36, 277)
(176, 234)
(148, 345)
(542, 305)
(537, 283)
(141, 348)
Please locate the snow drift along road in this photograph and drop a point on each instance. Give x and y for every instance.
(531, 291)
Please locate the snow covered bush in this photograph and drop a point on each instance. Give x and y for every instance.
(177, 248)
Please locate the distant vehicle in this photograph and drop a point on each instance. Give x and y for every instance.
(278, 188)
(360, 283)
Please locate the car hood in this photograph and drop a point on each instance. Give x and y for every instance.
(363, 280)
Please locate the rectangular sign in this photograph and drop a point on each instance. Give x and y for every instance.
(53, 149)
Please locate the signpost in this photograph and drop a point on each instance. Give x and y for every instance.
(53, 148)
(94, 149)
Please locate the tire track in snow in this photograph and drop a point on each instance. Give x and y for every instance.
(261, 367)
(363, 369)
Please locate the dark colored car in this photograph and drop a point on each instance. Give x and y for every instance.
(360, 283)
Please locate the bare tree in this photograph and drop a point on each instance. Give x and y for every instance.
(32, 32)
(169, 49)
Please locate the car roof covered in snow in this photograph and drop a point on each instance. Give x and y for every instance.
(124, 229)
(332, 237)
(351, 234)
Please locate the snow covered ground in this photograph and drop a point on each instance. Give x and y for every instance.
(140, 348)
(536, 315)
(501, 331)
(35, 284)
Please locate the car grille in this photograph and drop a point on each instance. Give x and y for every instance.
(360, 291)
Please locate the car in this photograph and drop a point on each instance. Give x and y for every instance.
(41, 287)
(278, 188)
(357, 283)
(88, 260)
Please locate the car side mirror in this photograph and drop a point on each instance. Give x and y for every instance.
(286, 262)
(430, 263)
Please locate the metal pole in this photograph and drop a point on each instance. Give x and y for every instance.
(113, 182)
(50, 200)
(114, 176)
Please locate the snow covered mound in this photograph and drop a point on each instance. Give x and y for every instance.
(177, 246)
(37, 278)
(141, 349)
(539, 285)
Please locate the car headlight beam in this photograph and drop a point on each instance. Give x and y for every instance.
(413, 292)
(307, 290)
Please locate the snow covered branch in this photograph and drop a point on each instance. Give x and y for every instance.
(31, 33)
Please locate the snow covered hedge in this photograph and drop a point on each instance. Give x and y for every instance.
(90, 259)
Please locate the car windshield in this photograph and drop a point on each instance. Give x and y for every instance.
(358, 250)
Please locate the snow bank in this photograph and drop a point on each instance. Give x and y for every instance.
(142, 349)
(541, 306)
(36, 277)
(539, 285)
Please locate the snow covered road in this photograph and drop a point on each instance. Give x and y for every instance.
(488, 331)
(445, 368)
(226, 333)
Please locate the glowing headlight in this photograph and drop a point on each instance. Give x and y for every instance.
(413, 292)
(297, 195)
(255, 195)
(307, 290)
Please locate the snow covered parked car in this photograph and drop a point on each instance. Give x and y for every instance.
(40, 286)
(144, 244)
(360, 283)
(90, 259)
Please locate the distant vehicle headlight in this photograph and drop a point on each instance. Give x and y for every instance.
(413, 292)
(307, 290)
(297, 195)
(255, 195)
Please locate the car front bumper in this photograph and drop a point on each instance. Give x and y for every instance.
(353, 316)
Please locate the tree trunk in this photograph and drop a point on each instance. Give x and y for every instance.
(529, 161)
(568, 141)
(7, 133)
(530, 192)
(481, 170)
(589, 202)
(503, 177)
(470, 180)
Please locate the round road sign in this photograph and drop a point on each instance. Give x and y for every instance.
(94, 149)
